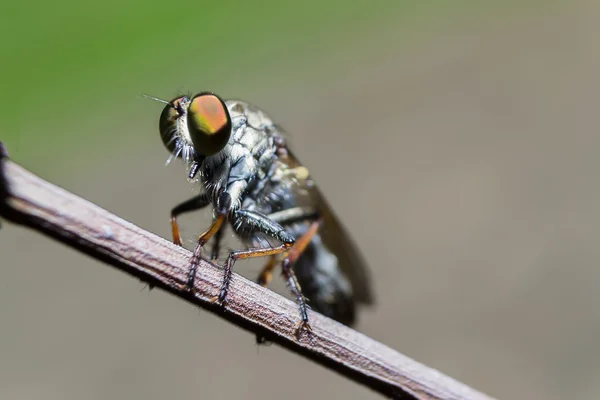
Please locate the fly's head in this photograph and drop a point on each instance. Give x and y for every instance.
(195, 127)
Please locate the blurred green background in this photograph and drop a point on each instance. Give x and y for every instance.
(457, 140)
(64, 62)
(71, 59)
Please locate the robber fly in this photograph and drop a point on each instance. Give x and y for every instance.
(254, 183)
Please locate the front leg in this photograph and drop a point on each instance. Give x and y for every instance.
(216, 248)
(252, 222)
(224, 204)
(195, 203)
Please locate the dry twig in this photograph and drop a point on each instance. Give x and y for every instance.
(27, 199)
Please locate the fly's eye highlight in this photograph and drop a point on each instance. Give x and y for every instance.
(209, 123)
(168, 123)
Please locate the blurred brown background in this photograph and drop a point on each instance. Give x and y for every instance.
(459, 145)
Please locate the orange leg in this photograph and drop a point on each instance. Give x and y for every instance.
(292, 252)
(286, 268)
(217, 245)
(244, 254)
(192, 204)
(175, 229)
(202, 239)
(222, 208)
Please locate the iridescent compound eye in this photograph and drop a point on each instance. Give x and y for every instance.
(209, 123)
(167, 124)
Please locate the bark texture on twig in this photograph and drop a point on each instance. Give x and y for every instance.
(29, 200)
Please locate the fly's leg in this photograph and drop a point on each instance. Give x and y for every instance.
(290, 258)
(290, 215)
(244, 254)
(250, 221)
(216, 249)
(283, 217)
(195, 203)
(293, 249)
(224, 204)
